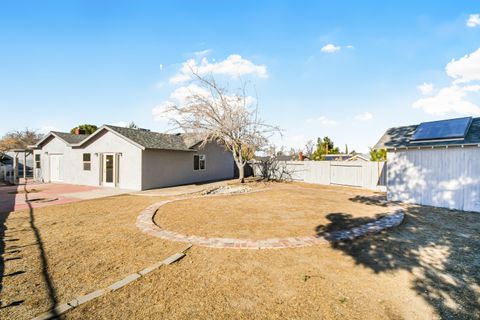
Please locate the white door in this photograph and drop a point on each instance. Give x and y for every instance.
(109, 169)
(56, 167)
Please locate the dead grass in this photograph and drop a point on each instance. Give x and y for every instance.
(281, 210)
(428, 268)
(88, 245)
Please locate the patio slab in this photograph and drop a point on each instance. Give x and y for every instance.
(14, 198)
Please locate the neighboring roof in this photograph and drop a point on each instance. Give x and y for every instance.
(358, 156)
(401, 137)
(278, 158)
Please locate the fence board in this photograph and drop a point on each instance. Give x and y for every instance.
(362, 174)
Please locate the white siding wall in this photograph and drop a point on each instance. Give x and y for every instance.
(169, 168)
(447, 178)
(129, 162)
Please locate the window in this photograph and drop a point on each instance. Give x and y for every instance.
(37, 161)
(87, 163)
(199, 162)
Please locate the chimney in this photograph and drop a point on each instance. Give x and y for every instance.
(79, 131)
(300, 156)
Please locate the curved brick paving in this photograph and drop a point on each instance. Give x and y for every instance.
(146, 224)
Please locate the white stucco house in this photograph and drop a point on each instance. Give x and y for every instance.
(435, 163)
(135, 159)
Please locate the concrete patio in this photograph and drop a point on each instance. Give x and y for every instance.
(18, 197)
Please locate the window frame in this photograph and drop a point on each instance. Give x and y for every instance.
(38, 161)
(87, 164)
(200, 157)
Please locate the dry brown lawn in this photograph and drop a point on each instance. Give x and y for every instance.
(280, 210)
(427, 268)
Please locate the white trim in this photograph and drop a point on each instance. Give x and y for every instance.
(104, 168)
(204, 161)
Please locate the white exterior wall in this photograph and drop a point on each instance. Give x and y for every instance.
(163, 168)
(129, 164)
(438, 177)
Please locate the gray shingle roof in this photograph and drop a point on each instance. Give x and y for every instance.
(70, 137)
(400, 137)
(157, 140)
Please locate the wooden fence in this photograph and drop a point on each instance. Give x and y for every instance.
(361, 174)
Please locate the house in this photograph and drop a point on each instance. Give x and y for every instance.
(135, 159)
(359, 157)
(435, 163)
(336, 157)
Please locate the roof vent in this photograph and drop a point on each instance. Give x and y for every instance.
(145, 130)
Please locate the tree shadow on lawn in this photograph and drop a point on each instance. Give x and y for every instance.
(6, 247)
(439, 247)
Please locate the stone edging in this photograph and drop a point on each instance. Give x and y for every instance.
(60, 309)
(146, 224)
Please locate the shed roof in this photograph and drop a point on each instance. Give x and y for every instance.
(401, 137)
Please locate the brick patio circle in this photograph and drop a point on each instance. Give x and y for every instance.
(146, 224)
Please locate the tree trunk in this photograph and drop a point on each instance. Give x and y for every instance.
(241, 173)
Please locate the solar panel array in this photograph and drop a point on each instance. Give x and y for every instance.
(444, 129)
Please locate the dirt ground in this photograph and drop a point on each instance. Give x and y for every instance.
(280, 210)
(427, 268)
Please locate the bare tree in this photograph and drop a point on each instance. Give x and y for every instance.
(229, 118)
(309, 149)
(271, 168)
(18, 139)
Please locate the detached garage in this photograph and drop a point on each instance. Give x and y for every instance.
(435, 163)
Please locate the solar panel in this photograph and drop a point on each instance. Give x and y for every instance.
(444, 129)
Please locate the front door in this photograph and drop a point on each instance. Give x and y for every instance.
(56, 167)
(109, 170)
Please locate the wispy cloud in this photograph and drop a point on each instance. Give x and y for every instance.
(473, 20)
(203, 53)
(365, 116)
(322, 120)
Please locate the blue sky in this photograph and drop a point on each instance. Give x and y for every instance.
(63, 63)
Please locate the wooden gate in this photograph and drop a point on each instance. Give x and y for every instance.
(346, 174)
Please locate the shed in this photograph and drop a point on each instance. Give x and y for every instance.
(434, 163)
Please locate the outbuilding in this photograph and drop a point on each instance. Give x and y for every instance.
(135, 159)
(434, 163)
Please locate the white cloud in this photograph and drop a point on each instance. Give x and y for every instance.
(457, 97)
(350, 47)
(233, 66)
(449, 100)
(330, 48)
(179, 97)
(366, 116)
(160, 67)
(473, 20)
(425, 88)
(465, 69)
(322, 120)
